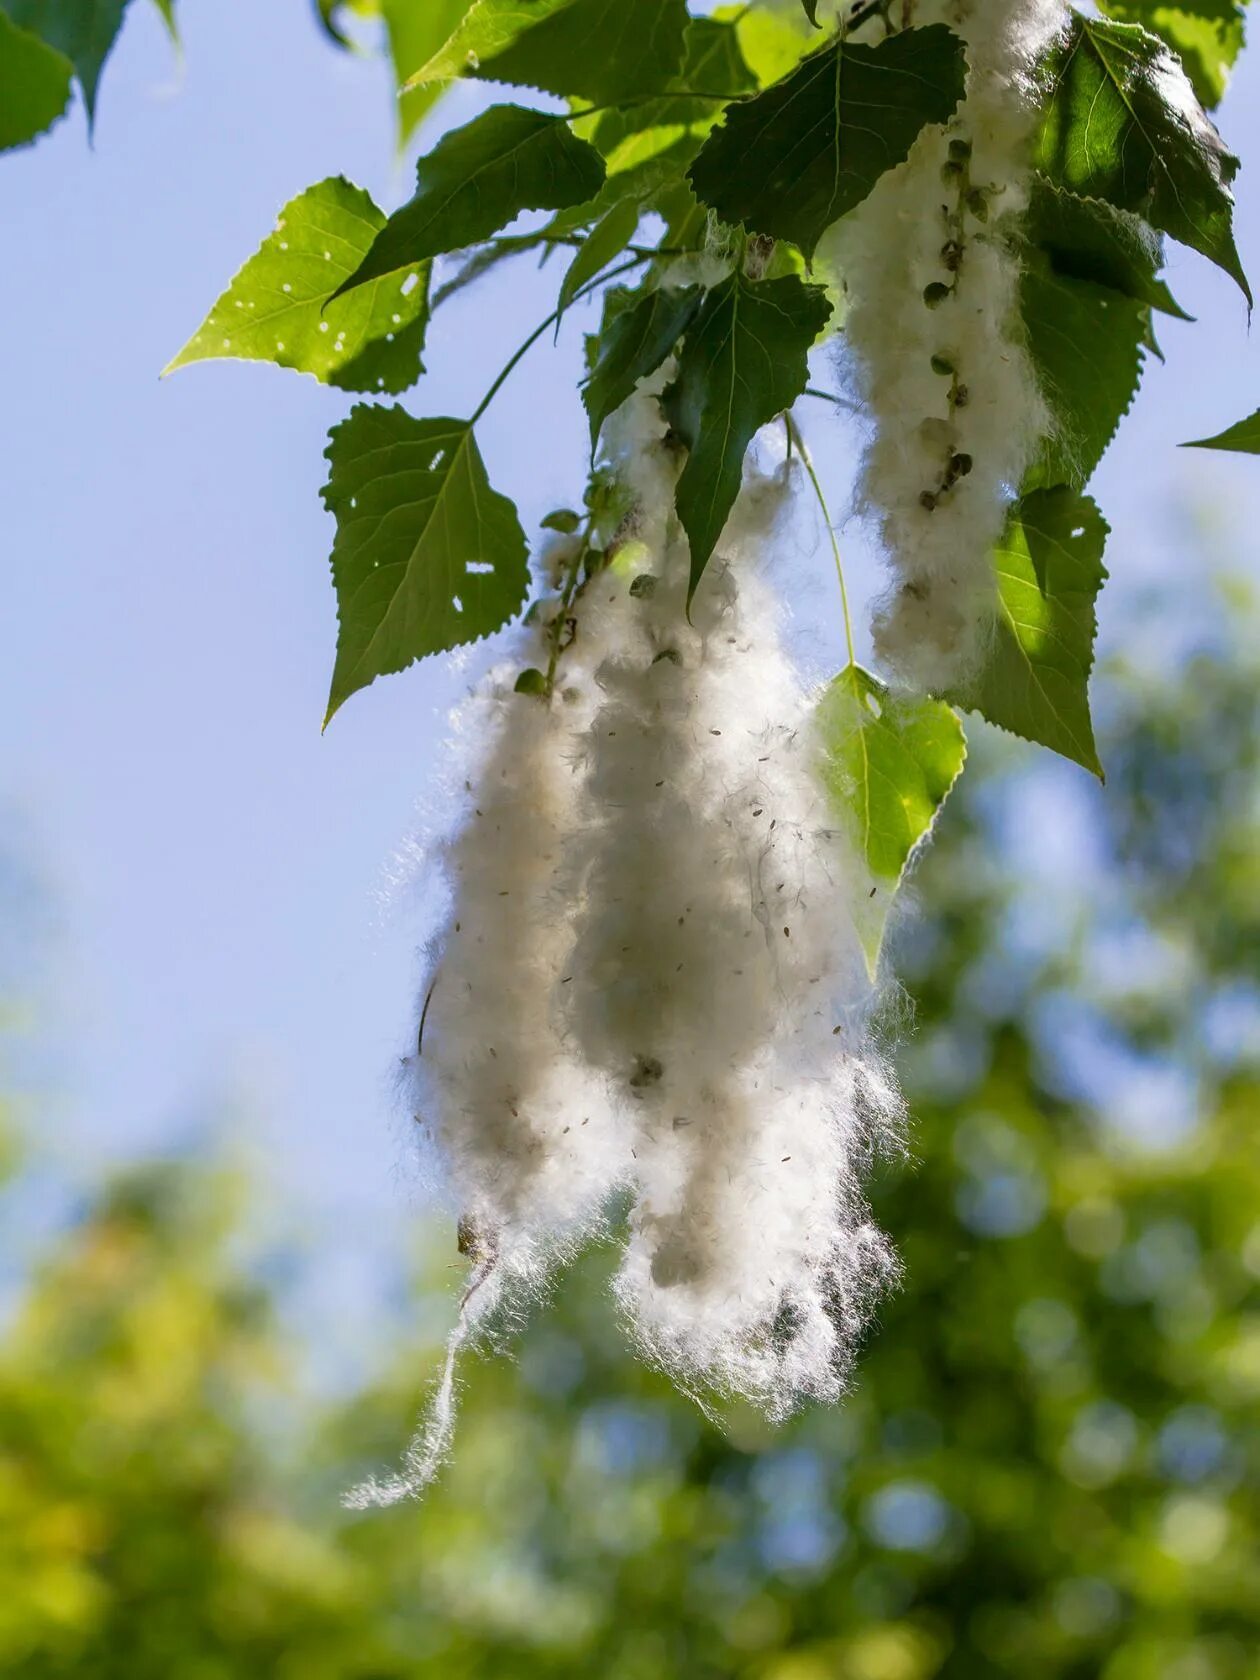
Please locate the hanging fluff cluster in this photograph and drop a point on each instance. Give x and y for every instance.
(931, 268)
(650, 984)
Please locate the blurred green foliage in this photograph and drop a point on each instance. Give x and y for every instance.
(1049, 1466)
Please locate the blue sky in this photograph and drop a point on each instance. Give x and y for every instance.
(220, 875)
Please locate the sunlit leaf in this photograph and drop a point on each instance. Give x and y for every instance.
(1206, 35)
(278, 307)
(1122, 123)
(889, 763)
(601, 50)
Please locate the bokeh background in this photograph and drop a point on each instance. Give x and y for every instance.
(222, 1290)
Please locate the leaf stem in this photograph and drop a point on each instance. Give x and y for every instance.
(523, 349)
(794, 432)
(555, 630)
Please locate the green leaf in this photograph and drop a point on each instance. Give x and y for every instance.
(797, 157)
(1088, 239)
(633, 346)
(1206, 35)
(602, 245)
(427, 555)
(479, 178)
(1122, 123)
(712, 64)
(1035, 678)
(743, 361)
(416, 31)
(278, 307)
(811, 12)
(1085, 342)
(1244, 437)
(83, 30)
(889, 762)
(601, 50)
(34, 85)
(486, 28)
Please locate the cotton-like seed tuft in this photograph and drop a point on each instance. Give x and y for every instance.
(649, 983)
(933, 345)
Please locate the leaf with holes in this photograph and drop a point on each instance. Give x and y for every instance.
(889, 762)
(1242, 438)
(1206, 35)
(34, 85)
(1035, 679)
(83, 30)
(1122, 123)
(601, 50)
(634, 345)
(743, 361)
(278, 307)
(427, 556)
(479, 178)
(794, 159)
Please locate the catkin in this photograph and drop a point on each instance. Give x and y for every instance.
(933, 346)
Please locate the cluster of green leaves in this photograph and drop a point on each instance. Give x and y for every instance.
(743, 136)
(1047, 1469)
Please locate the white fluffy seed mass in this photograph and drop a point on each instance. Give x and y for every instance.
(650, 984)
(930, 264)
(717, 981)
